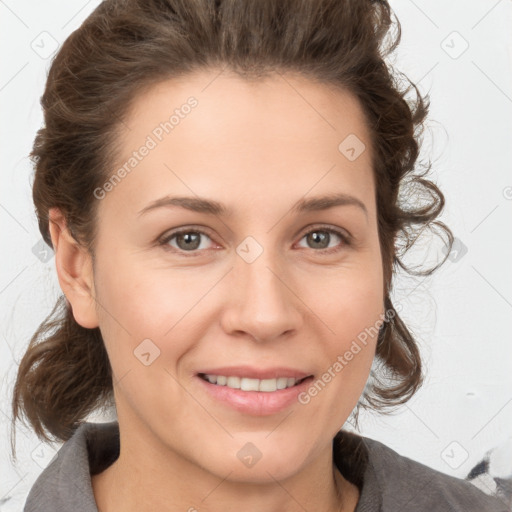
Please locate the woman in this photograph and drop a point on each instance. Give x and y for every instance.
(272, 140)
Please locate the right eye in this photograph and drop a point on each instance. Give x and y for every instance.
(186, 240)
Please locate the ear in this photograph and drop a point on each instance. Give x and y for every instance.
(74, 270)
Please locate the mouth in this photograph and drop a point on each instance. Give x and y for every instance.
(252, 396)
(252, 384)
(256, 390)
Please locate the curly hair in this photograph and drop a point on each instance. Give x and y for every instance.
(125, 47)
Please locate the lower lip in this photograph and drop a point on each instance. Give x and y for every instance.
(256, 403)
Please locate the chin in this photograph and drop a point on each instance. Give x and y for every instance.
(259, 460)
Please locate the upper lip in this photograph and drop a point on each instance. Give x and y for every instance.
(256, 373)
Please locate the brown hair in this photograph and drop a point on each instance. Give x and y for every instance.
(125, 46)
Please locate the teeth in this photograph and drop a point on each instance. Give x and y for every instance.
(250, 384)
(268, 384)
(233, 382)
(282, 382)
(247, 384)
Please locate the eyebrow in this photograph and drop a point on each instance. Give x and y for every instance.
(209, 206)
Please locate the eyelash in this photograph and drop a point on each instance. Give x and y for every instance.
(346, 239)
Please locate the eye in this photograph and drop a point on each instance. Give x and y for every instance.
(320, 238)
(187, 240)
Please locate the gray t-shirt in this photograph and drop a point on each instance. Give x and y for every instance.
(388, 482)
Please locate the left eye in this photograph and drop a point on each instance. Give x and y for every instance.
(319, 237)
(190, 240)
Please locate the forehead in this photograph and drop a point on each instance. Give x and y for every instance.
(214, 133)
(255, 106)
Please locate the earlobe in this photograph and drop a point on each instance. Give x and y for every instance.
(74, 270)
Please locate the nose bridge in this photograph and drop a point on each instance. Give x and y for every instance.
(263, 306)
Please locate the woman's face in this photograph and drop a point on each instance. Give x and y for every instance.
(259, 284)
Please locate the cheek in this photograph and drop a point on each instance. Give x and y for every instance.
(149, 302)
(151, 317)
(138, 310)
(348, 301)
(351, 312)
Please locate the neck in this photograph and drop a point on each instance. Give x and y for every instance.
(144, 479)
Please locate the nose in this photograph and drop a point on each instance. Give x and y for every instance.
(262, 304)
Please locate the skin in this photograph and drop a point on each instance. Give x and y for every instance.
(257, 147)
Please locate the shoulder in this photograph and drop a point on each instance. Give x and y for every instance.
(406, 484)
(65, 484)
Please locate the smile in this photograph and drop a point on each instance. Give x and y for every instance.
(249, 384)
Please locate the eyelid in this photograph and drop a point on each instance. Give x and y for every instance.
(327, 227)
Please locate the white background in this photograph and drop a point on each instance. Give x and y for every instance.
(461, 315)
